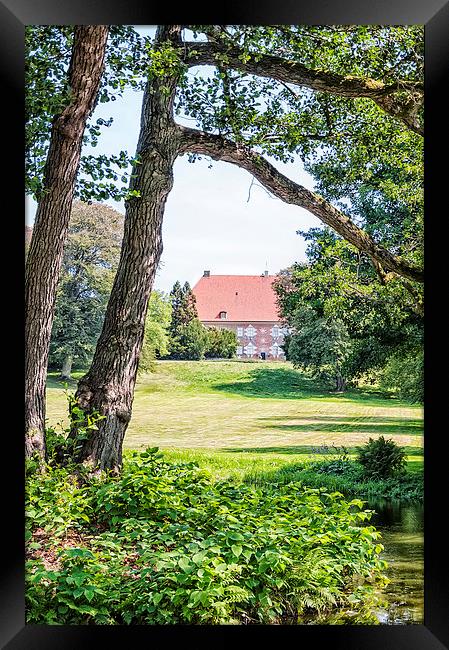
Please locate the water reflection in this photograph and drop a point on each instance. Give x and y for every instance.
(402, 528)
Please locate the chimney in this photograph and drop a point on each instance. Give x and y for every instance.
(206, 274)
(265, 273)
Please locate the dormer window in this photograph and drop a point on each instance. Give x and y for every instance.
(223, 315)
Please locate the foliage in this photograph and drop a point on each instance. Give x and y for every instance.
(164, 544)
(90, 259)
(188, 337)
(283, 120)
(376, 320)
(190, 341)
(381, 458)
(62, 444)
(405, 375)
(48, 52)
(343, 475)
(156, 342)
(183, 303)
(221, 343)
(321, 345)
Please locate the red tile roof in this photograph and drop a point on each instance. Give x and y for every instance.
(244, 297)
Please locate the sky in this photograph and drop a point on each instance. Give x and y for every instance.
(212, 220)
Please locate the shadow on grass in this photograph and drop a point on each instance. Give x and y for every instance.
(285, 383)
(346, 424)
(307, 450)
(54, 381)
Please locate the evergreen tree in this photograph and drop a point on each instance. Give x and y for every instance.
(183, 306)
(188, 336)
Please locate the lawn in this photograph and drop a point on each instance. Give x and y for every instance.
(235, 417)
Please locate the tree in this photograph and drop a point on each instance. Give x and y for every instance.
(322, 345)
(183, 303)
(90, 260)
(157, 339)
(340, 287)
(52, 218)
(221, 343)
(65, 77)
(276, 91)
(188, 337)
(47, 93)
(190, 341)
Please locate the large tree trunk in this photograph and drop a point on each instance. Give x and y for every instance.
(52, 219)
(340, 383)
(108, 387)
(66, 371)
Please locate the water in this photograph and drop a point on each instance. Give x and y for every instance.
(402, 528)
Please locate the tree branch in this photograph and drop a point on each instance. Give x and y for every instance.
(293, 72)
(219, 148)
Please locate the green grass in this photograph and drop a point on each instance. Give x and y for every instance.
(236, 417)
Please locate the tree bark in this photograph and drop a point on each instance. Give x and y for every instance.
(108, 387)
(219, 148)
(388, 96)
(52, 218)
(340, 382)
(66, 371)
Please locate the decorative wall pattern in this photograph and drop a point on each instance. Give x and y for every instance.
(257, 338)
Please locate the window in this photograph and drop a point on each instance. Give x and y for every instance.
(249, 349)
(250, 331)
(275, 332)
(275, 350)
(239, 351)
(239, 332)
(223, 315)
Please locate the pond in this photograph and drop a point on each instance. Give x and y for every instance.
(402, 527)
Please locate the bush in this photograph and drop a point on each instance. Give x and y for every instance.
(190, 341)
(164, 544)
(381, 458)
(405, 375)
(221, 343)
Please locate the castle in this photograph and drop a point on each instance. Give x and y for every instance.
(245, 304)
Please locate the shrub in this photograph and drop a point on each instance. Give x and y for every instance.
(164, 544)
(381, 458)
(346, 476)
(405, 375)
(63, 445)
(221, 343)
(189, 342)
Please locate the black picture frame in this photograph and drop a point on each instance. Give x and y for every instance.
(434, 14)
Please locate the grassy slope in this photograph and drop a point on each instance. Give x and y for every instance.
(234, 416)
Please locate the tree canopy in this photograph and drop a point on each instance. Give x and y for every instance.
(345, 322)
(90, 260)
(47, 93)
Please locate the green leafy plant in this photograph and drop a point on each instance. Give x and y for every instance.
(164, 544)
(382, 458)
(63, 444)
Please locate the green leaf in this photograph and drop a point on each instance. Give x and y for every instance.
(236, 549)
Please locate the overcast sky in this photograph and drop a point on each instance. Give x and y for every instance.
(209, 223)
